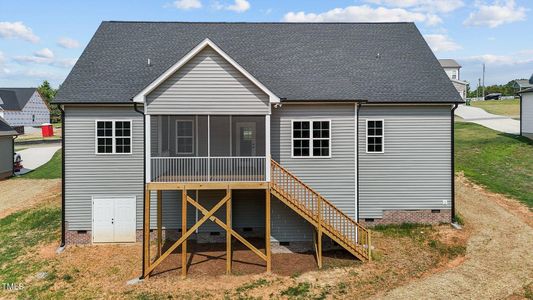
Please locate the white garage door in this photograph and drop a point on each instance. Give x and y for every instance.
(114, 219)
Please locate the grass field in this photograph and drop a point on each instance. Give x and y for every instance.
(500, 162)
(50, 170)
(509, 108)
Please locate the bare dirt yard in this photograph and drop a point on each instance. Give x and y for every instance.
(490, 258)
(499, 255)
(21, 194)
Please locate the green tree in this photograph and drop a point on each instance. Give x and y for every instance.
(49, 93)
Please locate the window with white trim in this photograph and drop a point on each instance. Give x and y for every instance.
(311, 139)
(113, 137)
(184, 137)
(374, 136)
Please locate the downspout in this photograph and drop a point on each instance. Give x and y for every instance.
(452, 156)
(62, 176)
(13, 155)
(357, 149)
(135, 107)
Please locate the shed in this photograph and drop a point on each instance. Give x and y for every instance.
(7, 134)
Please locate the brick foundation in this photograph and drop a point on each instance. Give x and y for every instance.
(426, 216)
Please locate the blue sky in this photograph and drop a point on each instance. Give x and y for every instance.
(42, 39)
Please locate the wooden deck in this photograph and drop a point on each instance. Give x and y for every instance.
(208, 214)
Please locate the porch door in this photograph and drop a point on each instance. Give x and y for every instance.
(246, 138)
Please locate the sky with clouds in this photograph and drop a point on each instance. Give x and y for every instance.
(43, 39)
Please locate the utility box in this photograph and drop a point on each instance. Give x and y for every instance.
(47, 130)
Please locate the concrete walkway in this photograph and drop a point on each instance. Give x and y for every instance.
(481, 117)
(34, 157)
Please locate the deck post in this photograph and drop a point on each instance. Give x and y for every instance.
(146, 233)
(159, 222)
(183, 230)
(319, 233)
(228, 233)
(267, 230)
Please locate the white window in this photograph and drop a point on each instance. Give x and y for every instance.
(113, 137)
(184, 137)
(311, 139)
(454, 74)
(374, 136)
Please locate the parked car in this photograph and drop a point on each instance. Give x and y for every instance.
(493, 96)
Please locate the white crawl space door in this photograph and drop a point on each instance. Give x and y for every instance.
(114, 219)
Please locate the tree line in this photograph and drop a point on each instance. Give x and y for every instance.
(507, 89)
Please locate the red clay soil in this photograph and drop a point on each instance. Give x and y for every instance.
(210, 260)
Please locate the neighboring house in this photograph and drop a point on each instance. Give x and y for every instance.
(7, 136)
(453, 70)
(526, 111)
(522, 84)
(23, 108)
(158, 114)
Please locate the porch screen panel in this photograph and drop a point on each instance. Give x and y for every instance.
(220, 136)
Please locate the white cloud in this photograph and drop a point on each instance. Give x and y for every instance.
(17, 30)
(441, 43)
(44, 53)
(495, 14)
(45, 56)
(187, 4)
(440, 6)
(516, 58)
(239, 6)
(3, 69)
(68, 43)
(363, 13)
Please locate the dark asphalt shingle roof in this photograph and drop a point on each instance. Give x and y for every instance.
(449, 63)
(5, 129)
(15, 98)
(375, 62)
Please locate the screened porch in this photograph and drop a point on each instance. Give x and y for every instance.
(208, 148)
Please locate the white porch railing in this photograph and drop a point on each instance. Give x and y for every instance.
(208, 169)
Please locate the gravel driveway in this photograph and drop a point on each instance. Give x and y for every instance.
(482, 117)
(499, 258)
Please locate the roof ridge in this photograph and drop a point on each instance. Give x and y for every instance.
(223, 22)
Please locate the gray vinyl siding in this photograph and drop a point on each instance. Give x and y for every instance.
(414, 170)
(88, 174)
(6, 154)
(207, 84)
(333, 177)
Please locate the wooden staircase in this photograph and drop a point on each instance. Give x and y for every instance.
(322, 214)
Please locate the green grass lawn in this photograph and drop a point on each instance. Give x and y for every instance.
(509, 108)
(500, 162)
(50, 170)
(21, 231)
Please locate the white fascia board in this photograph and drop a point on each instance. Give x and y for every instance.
(141, 97)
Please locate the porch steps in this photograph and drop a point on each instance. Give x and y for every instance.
(320, 213)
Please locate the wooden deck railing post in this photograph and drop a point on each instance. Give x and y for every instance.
(267, 230)
(183, 230)
(228, 233)
(319, 229)
(146, 233)
(369, 246)
(159, 222)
